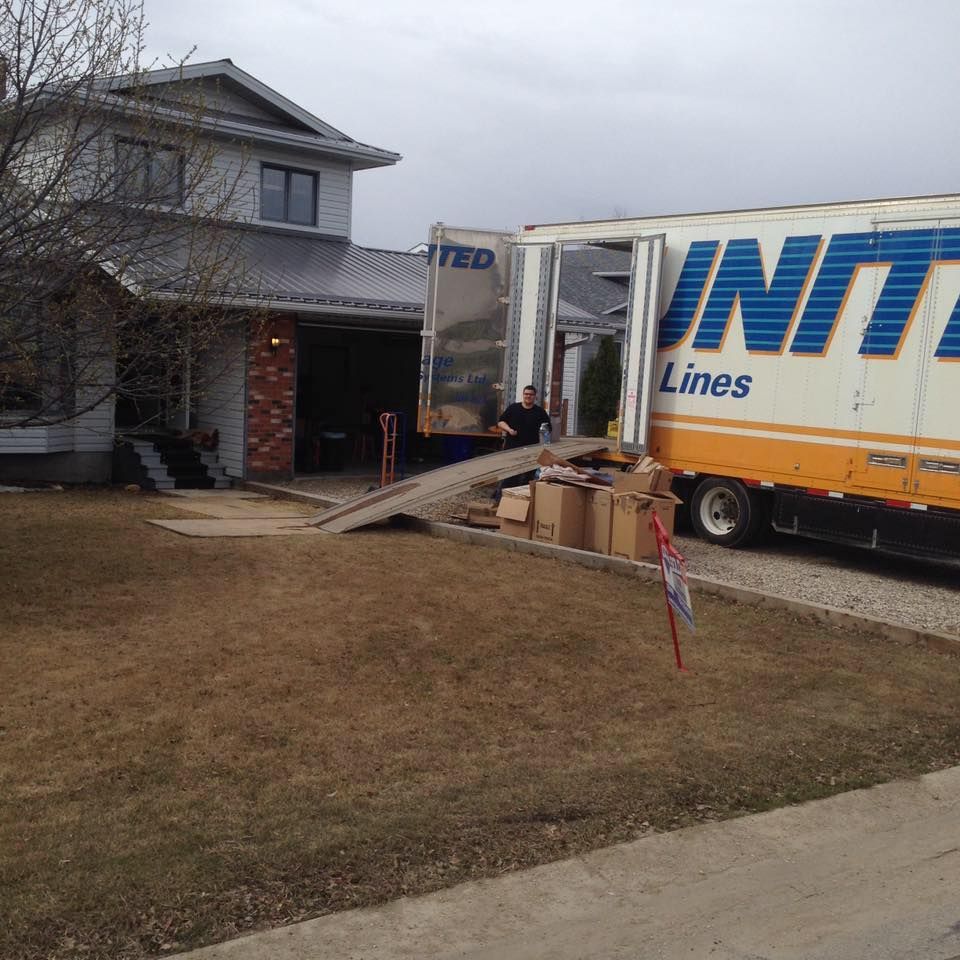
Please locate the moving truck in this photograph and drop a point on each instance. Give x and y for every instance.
(795, 367)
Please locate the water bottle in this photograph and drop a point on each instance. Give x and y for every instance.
(544, 433)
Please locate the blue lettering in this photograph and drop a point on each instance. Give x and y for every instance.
(909, 254)
(483, 259)
(767, 312)
(721, 385)
(473, 258)
(665, 386)
(461, 257)
(438, 362)
(675, 324)
(701, 383)
(949, 346)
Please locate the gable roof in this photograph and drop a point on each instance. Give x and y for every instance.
(275, 119)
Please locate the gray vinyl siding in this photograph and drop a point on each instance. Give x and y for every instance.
(93, 430)
(575, 363)
(570, 384)
(211, 94)
(39, 439)
(222, 406)
(241, 170)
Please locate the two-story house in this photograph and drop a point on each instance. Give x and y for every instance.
(324, 332)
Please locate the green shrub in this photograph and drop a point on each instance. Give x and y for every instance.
(600, 390)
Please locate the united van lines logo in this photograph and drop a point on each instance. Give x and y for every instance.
(769, 311)
(459, 257)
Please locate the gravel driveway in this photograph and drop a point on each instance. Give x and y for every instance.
(900, 590)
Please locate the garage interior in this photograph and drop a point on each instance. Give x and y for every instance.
(346, 377)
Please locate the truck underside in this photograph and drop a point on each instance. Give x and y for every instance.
(733, 513)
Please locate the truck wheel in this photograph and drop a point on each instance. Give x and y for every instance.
(726, 512)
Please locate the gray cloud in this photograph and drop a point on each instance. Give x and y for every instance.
(512, 112)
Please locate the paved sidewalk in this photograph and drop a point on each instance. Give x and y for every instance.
(867, 875)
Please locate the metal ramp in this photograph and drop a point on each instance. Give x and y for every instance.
(445, 482)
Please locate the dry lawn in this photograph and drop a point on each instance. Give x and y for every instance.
(201, 737)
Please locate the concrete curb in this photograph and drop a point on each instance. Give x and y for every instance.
(901, 633)
(898, 632)
(286, 493)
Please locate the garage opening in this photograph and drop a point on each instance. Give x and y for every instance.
(347, 377)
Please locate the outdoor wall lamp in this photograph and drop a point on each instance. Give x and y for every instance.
(274, 344)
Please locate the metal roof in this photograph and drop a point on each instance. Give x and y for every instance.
(289, 270)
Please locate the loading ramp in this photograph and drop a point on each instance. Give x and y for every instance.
(426, 488)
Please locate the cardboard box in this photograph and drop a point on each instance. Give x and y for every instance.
(598, 521)
(558, 511)
(647, 476)
(482, 513)
(633, 535)
(516, 512)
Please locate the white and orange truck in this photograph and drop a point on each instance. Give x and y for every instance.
(795, 367)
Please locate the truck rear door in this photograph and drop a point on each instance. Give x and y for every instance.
(532, 331)
(640, 344)
(468, 275)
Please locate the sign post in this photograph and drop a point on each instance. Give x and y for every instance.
(674, 572)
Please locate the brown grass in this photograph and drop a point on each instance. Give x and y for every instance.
(200, 737)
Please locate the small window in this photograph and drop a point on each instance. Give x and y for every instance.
(149, 172)
(288, 196)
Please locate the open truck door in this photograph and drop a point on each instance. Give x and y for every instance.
(533, 292)
(532, 331)
(640, 344)
(465, 320)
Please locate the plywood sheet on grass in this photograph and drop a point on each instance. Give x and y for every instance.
(269, 527)
(227, 509)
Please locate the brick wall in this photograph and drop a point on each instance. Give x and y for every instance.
(270, 397)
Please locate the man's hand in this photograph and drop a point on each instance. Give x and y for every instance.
(506, 428)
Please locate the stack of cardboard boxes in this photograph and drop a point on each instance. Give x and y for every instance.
(583, 511)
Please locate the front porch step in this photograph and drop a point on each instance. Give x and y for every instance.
(168, 463)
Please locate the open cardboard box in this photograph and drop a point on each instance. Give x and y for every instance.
(646, 476)
(633, 535)
(515, 511)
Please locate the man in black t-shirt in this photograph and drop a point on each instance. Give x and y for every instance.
(521, 424)
(521, 421)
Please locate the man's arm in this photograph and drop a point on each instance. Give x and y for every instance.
(503, 425)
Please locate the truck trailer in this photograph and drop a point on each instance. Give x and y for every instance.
(796, 367)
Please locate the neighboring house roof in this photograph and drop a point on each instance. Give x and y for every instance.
(569, 312)
(593, 286)
(293, 271)
(269, 117)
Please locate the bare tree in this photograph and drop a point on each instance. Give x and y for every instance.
(115, 268)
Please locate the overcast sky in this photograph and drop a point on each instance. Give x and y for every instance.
(534, 111)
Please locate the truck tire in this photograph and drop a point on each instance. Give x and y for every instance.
(727, 513)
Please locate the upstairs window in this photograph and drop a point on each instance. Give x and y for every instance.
(288, 196)
(148, 172)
